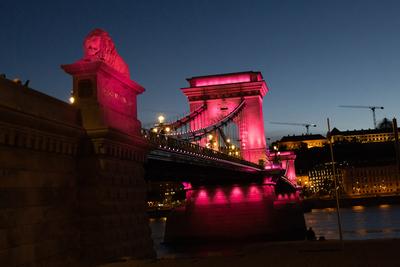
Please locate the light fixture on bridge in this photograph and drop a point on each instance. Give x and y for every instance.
(72, 100)
(161, 119)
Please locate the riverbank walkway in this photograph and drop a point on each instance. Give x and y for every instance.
(383, 252)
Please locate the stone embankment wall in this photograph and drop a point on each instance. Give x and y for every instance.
(66, 196)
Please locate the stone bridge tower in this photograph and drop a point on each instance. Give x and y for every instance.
(222, 94)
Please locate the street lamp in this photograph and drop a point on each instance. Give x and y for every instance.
(161, 119)
(335, 182)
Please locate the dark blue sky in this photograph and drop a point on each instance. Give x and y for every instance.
(314, 55)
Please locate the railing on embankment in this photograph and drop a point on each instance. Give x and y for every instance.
(162, 142)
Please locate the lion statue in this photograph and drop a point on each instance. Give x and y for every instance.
(98, 45)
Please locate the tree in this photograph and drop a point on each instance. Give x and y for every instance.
(385, 124)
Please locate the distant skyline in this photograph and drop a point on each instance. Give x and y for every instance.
(314, 55)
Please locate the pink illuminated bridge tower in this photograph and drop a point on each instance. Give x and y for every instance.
(222, 94)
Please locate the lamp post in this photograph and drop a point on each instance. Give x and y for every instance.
(335, 183)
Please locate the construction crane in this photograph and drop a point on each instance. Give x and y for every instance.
(307, 125)
(372, 108)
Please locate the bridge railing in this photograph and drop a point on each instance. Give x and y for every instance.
(163, 142)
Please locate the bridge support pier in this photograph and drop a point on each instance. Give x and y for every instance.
(111, 187)
(235, 213)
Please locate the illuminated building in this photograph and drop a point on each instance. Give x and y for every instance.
(164, 195)
(295, 142)
(302, 180)
(320, 178)
(363, 136)
(302, 141)
(370, 180)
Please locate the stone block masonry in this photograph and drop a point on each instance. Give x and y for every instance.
(67, 195)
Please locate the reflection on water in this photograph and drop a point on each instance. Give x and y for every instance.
(358, 222)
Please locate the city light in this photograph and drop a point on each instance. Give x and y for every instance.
(167, 129)
(161, 119)
(155, 130)
(210, 137)
(72, 100)
(228, 140)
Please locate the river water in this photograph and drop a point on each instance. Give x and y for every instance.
(358, 222)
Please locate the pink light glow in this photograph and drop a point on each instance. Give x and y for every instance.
(254, 194)
(226, 79)
(114, 93)
(223, 99)
(227, 210)
(267, 180)
(219, 197)
(202, 197)
(236, 195)
(290, 171)
(187, 185)
(268, 190)
(189, 194)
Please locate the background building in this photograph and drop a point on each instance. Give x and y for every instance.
(301, 141)
(363, 136)
(367, 180)
(308, 141)
(320, 178)
(164, 195)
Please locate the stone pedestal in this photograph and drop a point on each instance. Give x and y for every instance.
(106, 98)
(111, 182)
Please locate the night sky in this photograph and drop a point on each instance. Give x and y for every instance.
(314, 55)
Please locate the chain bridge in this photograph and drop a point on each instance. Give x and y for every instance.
(79, 169)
